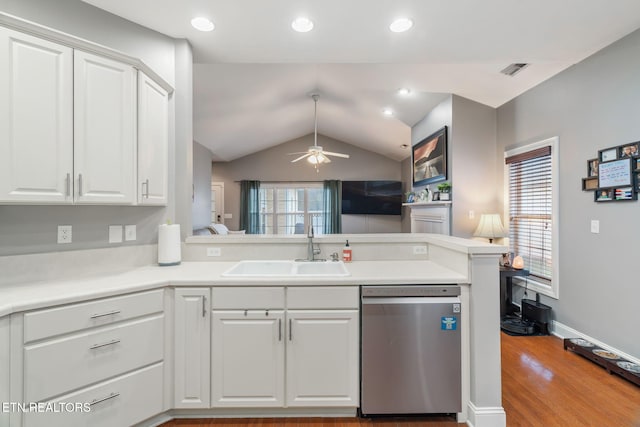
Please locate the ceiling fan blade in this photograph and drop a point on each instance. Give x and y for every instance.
(301, 157)
(297, 152)
(329, 153)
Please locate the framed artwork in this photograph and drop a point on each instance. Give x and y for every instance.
(590, 184)
(429, 159)
(629, 150)
(608, 154)
(604, 195)
(616, 173)
(592, 167)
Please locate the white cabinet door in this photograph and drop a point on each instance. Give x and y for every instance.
(153, 135)
(192, 321)
(104, 130)
(322, 358)
(248, 358)
(36, 120)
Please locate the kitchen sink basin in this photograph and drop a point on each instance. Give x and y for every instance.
(284, 268)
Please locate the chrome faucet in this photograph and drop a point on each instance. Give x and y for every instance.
(312, 250)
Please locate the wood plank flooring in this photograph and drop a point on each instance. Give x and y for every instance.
(542, 386)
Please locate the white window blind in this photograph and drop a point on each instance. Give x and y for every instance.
(531, 210)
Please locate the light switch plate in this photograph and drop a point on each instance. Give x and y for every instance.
(595, 226)
(129, 232)
(64, 234)
(115, 234)
(228, 216)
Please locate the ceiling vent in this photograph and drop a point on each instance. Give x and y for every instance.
(514, 69)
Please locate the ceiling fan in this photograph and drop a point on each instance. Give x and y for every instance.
(315, 154)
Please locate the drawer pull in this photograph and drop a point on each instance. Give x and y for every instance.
(279, 329)
(110, 313)
(290, 331)
(112, 342)
(103, 399)
(204, 307)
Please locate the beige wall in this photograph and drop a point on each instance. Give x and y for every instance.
(274, 164)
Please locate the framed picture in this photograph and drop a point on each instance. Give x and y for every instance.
(590, 184)
(625, 193)
(429, 159)
(603, 195)
(629, 150)
(592, 167)
(608, 154)
(637, 164)
(615, 174)
(637, 181)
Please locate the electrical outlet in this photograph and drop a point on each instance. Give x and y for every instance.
(214, 251)
(129, 232)
(419, 250)
(115, 234)
(64, 234)
(472, 214)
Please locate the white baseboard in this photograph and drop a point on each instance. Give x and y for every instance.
(486, 416)
(563, 331)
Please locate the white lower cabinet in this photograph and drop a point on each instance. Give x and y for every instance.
(192, 329)
(322, 358)
(271, 354)
(247, 360)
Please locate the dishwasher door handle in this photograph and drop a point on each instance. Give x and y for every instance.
(408, 300)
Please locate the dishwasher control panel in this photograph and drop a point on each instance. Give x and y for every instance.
(411, 291)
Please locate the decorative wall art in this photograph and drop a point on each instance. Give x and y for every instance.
(615, 174)
(429, 159)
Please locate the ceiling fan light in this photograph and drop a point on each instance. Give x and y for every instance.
(313, 159)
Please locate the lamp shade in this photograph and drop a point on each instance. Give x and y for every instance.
(490, 227)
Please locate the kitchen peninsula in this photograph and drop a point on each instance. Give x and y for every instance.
(153, 301)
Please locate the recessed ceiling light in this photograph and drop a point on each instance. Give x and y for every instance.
(302, 25)
(387, 112)
(403, 91)
(401, 25)
(202, 24)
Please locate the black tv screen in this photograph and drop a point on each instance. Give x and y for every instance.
(371, 197)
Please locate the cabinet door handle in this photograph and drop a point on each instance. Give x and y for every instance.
(204, 308)
(103, 399)
(145, 194)
(290, 332)
(79, 185)
(68, 184)
(108, 313)
(279, 329)
(112, 342)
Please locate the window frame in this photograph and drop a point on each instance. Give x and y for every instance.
(293, 185)
(551, 289)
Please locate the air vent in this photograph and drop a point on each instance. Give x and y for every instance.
(514, 69)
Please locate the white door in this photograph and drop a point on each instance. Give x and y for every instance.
(36, 119)
(322, 358)
(192, 324)
(104, 130)
(153, 136)
(248, 358)
(217, 202)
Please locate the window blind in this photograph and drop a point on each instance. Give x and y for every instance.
(530, 210)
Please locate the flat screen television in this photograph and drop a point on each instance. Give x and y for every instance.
(371, 197)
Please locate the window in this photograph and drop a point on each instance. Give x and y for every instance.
(285, 208)
(531, 179)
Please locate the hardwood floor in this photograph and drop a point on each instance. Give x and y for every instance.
(542, 386)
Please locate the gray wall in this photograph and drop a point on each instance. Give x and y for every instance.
(274, 164)
(31, 229)
(201, 208)
(592, 105)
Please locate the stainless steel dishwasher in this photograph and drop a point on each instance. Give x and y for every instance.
(410, 356)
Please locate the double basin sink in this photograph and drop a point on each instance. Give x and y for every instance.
(285, 268)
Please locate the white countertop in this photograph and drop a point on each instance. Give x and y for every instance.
(29, 296)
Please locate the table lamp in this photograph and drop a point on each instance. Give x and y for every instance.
(490, 227)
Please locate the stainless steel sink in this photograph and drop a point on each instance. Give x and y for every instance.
(285, 268)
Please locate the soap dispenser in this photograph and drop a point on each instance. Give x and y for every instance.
(346, 253)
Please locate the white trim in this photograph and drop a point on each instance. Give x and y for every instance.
(553, 290)
(488, 416)
(562, 331)
(74, 42)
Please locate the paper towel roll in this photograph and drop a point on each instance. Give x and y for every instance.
(169, 244)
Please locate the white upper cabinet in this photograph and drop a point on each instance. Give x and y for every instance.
(36, 120)
(104, 130)
(153, 135)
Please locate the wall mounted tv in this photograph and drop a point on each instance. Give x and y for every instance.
(371, 197)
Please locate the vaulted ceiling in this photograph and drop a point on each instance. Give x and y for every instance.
(253, 74)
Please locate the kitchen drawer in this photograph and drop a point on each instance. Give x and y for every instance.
(122, 401)
(323, 297)
(60, 365)
(71, 318)
(225, 298)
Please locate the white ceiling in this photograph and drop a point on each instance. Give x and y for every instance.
(253, 74)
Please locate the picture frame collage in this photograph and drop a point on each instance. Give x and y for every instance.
(614, 175)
